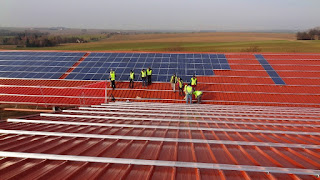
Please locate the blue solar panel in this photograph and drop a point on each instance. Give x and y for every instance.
(162, 78)
(278, 80)
(39, 75)
(198, 66)
(97, 65)
(21, 75)
(37, 64)
(221, 56)
(272, 73)
(208, 72)
(102, 70)
(139, 65)
(225, 66)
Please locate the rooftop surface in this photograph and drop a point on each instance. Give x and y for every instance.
(163, 141)
(263, 79)
(259, 119)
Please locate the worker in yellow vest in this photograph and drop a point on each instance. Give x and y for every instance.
(112, 78)
(180, 81)
(149, 74)
(194, 82)
(189, 91)
(131, 78)
(198, 95)
(173, 82)
(144, 77)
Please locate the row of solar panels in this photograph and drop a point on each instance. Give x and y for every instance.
(174, 55)
(35, 75)
(271, 72)
(157, 60)
(36, 63)
(35, 58)
(33, 69)
(3, 53)
(27, 65)
(156, 65)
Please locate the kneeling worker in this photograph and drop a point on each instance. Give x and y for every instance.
(198, 95)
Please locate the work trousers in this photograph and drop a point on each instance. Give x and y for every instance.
(189, 97)
(173, 85)
(131, 83)
(113, 84)
(181, 92)
(149, 79)
(199, 99)
(144, 81)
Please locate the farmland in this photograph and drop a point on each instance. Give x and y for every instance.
(194, 42)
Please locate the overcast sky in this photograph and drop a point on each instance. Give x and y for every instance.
(162, 14)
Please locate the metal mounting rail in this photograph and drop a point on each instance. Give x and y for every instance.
(161, 163)
(209, 106)
(159, 139)
(158, 119)
(204, 111)
(167, 115)
(175, 127)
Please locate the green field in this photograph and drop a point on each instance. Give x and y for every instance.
(260, 46)
(198, 42)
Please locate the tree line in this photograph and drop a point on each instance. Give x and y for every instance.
(312, 34)
(35, 39)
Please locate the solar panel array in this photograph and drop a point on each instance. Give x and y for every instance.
(98, 65)
(38, 65)
(272, 73)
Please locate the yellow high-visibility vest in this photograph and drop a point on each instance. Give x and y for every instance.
(149, 72)
(193, 81)
(112, 75)
(143, 74)
(197, 93)
(180, 84)
(173, 79)
(189, 90)
(131, 75)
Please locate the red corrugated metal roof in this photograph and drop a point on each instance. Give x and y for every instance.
(255, 138)
(246, 83)
(157, 141)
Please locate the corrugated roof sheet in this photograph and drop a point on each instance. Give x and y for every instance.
(163, 141)
(247, 127)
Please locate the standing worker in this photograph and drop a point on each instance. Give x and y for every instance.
(144, 77)
(198, 95)
(173, 82)
(194, 82)
(180, 87)
(149, 74)
(112, 78)
(189, 91)
(131, 78)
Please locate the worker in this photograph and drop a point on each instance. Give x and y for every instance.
(194, 82)
(149, 74)
(189, 91)
(173, 82)
(112, 78)
(131, 78)
(180, 81)
(198, 95)
(144, 77)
